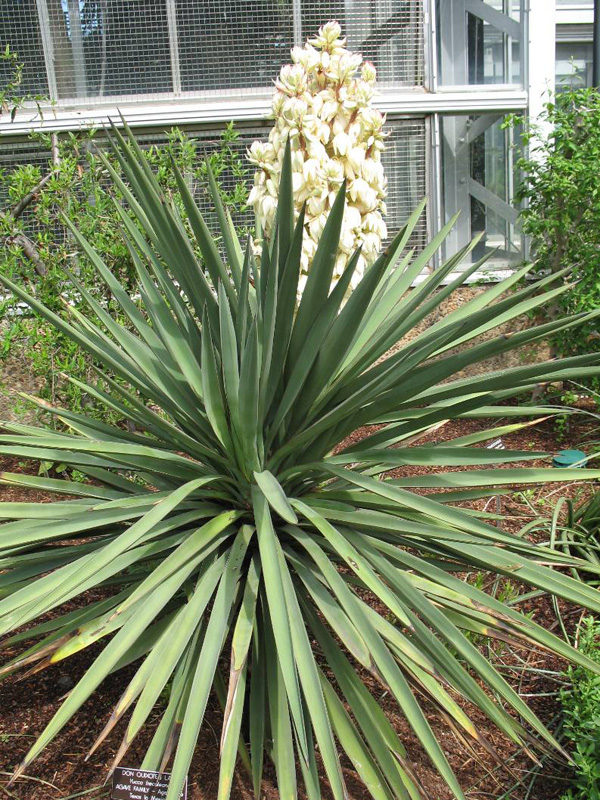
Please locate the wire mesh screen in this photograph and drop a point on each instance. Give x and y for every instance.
(20, 31)
(389, 33)
(116, 48)
(404, 161)
(140, 49)
(236, 44)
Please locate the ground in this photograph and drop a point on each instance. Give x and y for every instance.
(62, 771)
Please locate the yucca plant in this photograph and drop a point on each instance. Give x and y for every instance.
(228, 519)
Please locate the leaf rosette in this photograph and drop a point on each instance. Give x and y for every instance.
(230, 521)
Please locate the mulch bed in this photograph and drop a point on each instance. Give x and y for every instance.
(62, 771)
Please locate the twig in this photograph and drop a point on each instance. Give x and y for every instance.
(25, 201)
(31, 251)
(24, 242)
(55, 150)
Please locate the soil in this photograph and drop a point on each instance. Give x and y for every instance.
(62, 771)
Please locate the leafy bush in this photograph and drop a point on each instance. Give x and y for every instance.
(581, 710)
(235, 515)
(74, 183)
(561, 213)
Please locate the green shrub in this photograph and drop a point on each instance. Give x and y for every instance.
(39, 246)
(232, 517)
(561, 195)
(581, 711)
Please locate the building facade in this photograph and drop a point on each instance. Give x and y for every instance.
(448, 73)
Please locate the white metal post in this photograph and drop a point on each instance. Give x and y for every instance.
(48, 48)
(174, 47)
(297, 22)
(76, 35)
(541, 57)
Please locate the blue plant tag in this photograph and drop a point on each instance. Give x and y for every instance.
(142, 784)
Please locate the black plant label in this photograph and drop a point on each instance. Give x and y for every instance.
(141, 784)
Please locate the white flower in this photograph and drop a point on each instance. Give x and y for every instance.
(294, 109)
(316, 205)
(328, 37)
(348, 243)
(365, 197)
(302, 283)
(323, 106)
(356, 157)
(311, 170)
(373, 222)
(292, 80)
(371, 244)
(329, 108)
(368, 72)
(359, 271)
(341, 143)
(267, 206)
(254, 195)
(342, 67)
(306, 56)
(352, 218)
(261, 154)
(372, 172)
(316, 150)
(363, 95)
(277, 104)
(333, 171)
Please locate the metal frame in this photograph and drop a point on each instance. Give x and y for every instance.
(160, 114)
(430, 56)
(577, 14)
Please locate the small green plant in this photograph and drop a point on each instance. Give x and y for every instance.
(252, 536)
(12, 96)
(562, 422)
(581, 711)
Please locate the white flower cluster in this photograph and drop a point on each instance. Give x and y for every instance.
(323, 105)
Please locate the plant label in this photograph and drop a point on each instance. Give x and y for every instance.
(141, 784)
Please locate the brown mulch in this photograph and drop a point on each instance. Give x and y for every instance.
(62, 771)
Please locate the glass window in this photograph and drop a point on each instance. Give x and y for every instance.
(404, 160)
(480, 42)
(478, 181)
(574, 63)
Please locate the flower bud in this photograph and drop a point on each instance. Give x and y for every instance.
(368, 72)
